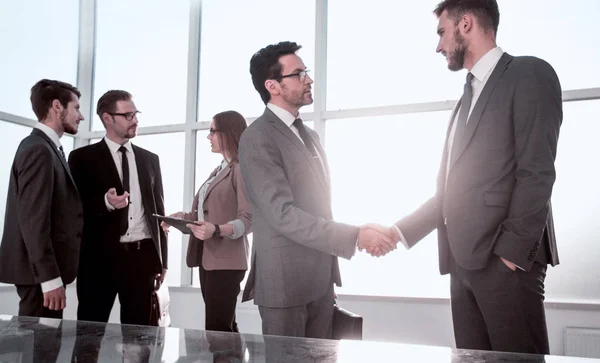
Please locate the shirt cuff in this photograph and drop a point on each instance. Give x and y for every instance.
(402, 239)
(238, 229)
(51, 285)
(108, 206)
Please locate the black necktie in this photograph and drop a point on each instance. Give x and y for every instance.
(125, 168)
(305, 137)
(62, 152)
(463, 115)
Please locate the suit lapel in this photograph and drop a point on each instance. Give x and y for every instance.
(218, 179)
(321, 152)
(145, 179)
(57, 152)
(462, 142)
(287, 132)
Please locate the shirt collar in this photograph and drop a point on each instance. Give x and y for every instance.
(114, 147)
(486, 64)
(284, 115)
(49, 132)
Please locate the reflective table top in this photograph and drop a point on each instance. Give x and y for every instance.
(47, 340)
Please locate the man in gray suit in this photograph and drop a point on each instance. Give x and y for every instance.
(44, 216)
(492, 206)
(296, 242)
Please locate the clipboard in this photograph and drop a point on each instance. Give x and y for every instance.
(178, 223)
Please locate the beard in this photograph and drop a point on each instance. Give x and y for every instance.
(69, 129)
(456, 58)
(296, 98)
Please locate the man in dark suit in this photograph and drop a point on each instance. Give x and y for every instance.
(296, 242)
(492, 205)
(42, 229)
(124, 252)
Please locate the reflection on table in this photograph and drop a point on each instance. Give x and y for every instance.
(36, 340)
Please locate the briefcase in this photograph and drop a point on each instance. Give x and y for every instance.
(159, 308)
(346, 325)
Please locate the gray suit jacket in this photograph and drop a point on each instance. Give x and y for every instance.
(295, 241)
(44, 216)
(496, 199)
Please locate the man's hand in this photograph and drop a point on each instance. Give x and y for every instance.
(165, 226)
(202, 230)
(117, 201)
(55, 299)
(389, 231)
(376, 239)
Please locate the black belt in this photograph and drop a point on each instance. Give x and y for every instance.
(135, 245)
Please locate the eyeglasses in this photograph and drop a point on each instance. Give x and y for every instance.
(128, 115)
(213, 131)
(301, 75)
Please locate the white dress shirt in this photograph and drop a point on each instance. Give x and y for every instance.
(48, 131)
(137, 228)
(238, 226)
(481, 73)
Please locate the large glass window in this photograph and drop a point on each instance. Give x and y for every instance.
(33, 48)
(576, 59)
(383, 52)
(232, 31)
(170, 150)
(142, 48)
(575, 201)
(382, 169)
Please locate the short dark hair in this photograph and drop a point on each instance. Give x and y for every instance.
(45, 91)
(486, 11)
(108, 102)
(265, 65)
(231, 125)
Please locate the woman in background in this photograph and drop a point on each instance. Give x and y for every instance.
(219, 246)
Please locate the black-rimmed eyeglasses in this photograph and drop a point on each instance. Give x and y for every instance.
(301, 75)
(212, 131)
(128, 115)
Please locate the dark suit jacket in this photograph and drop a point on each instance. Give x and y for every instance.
(224, 201)
(496, 199)
(95, 173)
(295, 241)
(43, 221)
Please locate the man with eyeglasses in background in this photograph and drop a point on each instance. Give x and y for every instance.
(124, 251)
(296, 243)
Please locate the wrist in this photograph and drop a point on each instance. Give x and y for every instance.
(217, 232)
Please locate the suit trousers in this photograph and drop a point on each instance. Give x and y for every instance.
(220, 289)
(498, 309)
(132, 278)
(313, 320)
(32, 303)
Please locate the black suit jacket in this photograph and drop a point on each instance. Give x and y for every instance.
(495, 200)
(43, 221)
(94, 171)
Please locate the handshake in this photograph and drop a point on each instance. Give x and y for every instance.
(377, 240)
